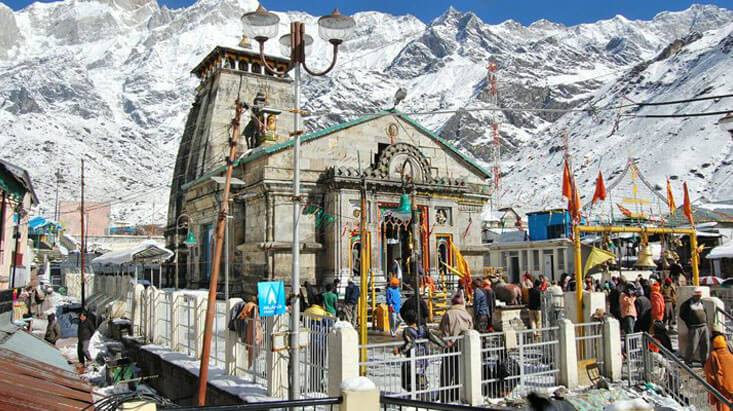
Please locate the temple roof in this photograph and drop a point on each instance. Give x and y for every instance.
(268, 150)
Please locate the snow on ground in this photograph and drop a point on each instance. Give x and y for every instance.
(234, 385)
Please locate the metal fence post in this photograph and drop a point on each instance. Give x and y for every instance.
(413, 373)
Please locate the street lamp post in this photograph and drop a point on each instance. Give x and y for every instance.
(178, 227)
(262, 25)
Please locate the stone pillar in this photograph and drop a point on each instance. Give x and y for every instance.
(472, 368)
(230, 344)
(176, 300)
(276, 359)
(568, 360)
(358, 394)
(199, 320)
(343, 358)
(612, 358)
(683, 294)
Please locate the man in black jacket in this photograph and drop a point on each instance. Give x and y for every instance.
(84, 334)
(350, 301)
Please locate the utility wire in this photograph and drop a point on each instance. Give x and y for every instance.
(707, 113)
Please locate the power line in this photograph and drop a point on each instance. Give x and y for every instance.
(702, 114)
(664, 103)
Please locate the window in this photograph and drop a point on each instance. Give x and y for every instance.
(444, 216)
(536, 260)
(561, 259)
(525, 264)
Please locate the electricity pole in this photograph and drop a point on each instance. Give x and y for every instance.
(83, 249)
(216, 264)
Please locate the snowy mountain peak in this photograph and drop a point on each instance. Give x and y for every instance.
(109, 80)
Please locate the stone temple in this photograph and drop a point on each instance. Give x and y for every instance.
(450, 188)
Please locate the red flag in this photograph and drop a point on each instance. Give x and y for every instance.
(670, 199)
(687, 206)
(625, 211)
(567, 190)
(600, 193)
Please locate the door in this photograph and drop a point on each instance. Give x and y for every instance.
(549, 266)
(515, 269)
(443, 258)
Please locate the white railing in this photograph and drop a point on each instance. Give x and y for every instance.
(217, 355)
(314, 358)
(428, 372)
(163, 318)
(589, 342)
(185, 325)
(251, 348)
(531, 364)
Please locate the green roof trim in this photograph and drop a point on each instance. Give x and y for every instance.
(267, 150)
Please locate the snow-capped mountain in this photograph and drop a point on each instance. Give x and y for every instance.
(109, 80)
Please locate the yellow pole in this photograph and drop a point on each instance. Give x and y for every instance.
(363, 338)
(578, 273)
(695, 259)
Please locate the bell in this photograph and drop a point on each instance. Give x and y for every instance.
(645, 259)
(190, 240)
(405, 207)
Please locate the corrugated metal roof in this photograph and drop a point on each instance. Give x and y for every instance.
(29, 384)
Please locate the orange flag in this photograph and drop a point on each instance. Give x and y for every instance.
(625, 211)
(574, 205)
(600, 193)
(687, 206)
(670, 199)
(567, 190)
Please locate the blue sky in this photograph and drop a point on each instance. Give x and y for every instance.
(493, 11)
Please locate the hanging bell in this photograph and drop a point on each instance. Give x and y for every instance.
(405, 207)
(645, 258)
(190, 240)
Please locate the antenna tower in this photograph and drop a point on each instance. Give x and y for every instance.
(496, 154)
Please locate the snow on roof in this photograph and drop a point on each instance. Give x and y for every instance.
(721, 251)
(147, 251)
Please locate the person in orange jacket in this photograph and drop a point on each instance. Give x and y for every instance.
(719, 371)
(657, 300)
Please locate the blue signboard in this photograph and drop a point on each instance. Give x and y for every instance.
(271, 298)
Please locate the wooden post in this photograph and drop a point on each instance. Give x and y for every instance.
(83, 247)
(216, 263)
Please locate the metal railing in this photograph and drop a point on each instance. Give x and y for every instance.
(727, 323)
(252, 346)
(315, 404)
(426, 373)
(589, 342)
(676, 379)
(217, 355)
(186, 332)
(314, 360)
(633, 354)
(516, 369)
(163, 319)
(405, 404)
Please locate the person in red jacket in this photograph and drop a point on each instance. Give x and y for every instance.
(657, 303)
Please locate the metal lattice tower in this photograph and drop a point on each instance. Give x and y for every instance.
(496, 153)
